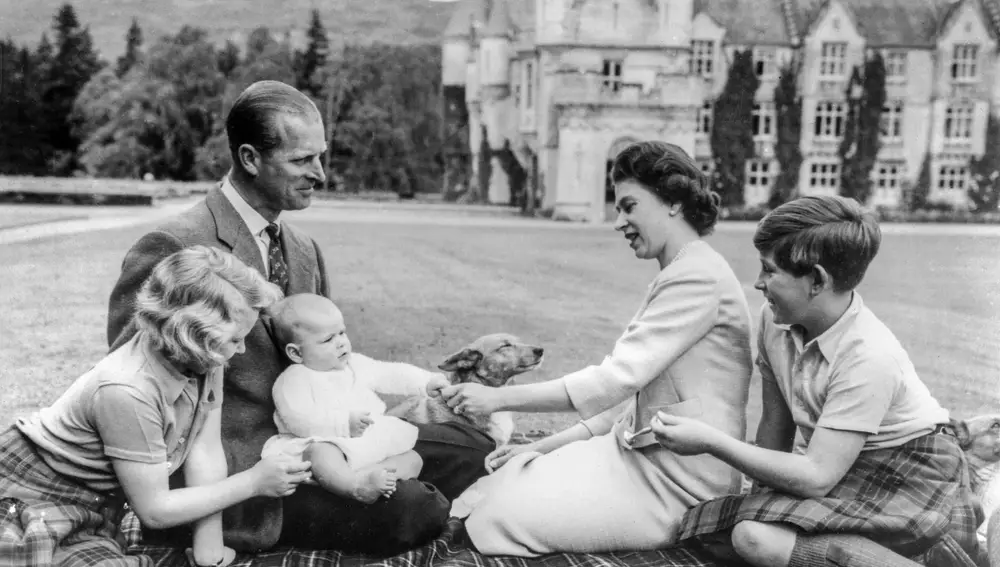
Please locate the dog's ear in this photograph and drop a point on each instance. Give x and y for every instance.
(961, 432)
(462, 360)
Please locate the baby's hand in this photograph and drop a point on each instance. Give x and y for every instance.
(435, 384)
(359, 422)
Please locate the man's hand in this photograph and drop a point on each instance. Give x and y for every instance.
(359, 422)
(683, 435)
(435, 384)
(471, 399)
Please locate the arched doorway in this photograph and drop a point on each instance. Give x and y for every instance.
(609, 190)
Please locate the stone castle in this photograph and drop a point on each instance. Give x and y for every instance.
(546, 92)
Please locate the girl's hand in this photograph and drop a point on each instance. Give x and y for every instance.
(276, 476)
(471, 399)
(683, 435)
(500, 456)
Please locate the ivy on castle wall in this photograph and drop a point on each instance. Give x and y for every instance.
(485, 170)
(984, 186)
(917, 197)
(732, 135)
(788, 107)
(861, 142)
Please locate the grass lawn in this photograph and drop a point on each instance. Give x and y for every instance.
(417, 292)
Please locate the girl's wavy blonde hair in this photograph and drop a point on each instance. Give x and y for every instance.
(192, 298)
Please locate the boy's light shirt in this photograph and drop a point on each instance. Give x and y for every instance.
(854, 377)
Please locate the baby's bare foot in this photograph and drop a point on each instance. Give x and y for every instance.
(373, 484)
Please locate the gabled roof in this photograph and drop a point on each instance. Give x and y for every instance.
(460, 24)
(986, 8)
(747, 21)
(898, 23)
(499, 23)
(902, 23)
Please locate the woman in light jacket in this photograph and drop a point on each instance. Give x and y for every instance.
(592, 488)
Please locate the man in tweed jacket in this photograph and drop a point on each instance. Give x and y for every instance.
(276, 140)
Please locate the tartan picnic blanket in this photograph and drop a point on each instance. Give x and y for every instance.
(447, 550)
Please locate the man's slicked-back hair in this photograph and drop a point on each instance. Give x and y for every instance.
(830, 231)
(252, 117)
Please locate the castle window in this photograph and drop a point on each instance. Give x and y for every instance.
(958, 122)
(704, 125)
(611, 75)
(829, 121)
(824, 177)
(953, 178)
(760, 176)
(529, 84)
(895, 65)
(702, 57)
(963, 62)
(763, 61)
(833, 59)
(762, 120)
(888, 178)
(891, 121)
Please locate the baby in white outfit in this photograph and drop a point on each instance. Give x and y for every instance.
(326, 407)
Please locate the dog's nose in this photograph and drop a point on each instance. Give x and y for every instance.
(539, 351)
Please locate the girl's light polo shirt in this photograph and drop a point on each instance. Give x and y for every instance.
(134, 406)
(854, 377)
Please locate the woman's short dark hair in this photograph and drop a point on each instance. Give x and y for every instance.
(252, 118)
(670, 174)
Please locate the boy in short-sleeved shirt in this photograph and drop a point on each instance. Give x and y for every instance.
(878, 477)
(855, 376)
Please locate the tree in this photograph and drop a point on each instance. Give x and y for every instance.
(731, 136)
(157, 118)
(386, 118)
(788, 105)
(917, 196)
(22, 148)
(228, 59)
(75, 61)
(133, 49)
(984, 189)
(314, 57)
(860, 145)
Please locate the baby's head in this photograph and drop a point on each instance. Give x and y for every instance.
(310, 330)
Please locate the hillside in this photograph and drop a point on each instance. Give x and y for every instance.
(392, 21)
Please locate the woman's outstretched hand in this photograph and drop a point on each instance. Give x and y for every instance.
(501, 455)
(683, 435)
(473, 399)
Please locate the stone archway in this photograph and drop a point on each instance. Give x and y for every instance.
(614, 149)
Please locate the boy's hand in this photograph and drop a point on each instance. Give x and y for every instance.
(683, 435)
(435, 384)
(359, 422)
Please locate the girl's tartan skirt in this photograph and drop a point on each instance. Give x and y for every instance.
(47, 520)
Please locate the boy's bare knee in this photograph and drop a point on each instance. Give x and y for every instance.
(746, 539)
(760, 543)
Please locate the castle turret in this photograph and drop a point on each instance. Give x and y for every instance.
(455, 47)
(495, 46)
(549, 17)
(675, 22)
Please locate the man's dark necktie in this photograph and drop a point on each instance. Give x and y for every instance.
(278, 274)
